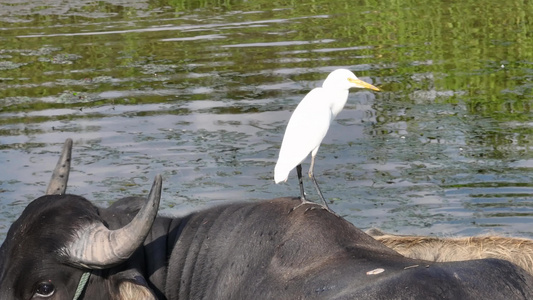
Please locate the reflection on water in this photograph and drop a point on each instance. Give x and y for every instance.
(200, 91)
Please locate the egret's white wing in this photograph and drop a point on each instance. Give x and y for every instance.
(307, 127)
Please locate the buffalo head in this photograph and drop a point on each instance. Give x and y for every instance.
(45, 252)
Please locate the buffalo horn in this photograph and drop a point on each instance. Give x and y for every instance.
(96, 247)
(58, 183)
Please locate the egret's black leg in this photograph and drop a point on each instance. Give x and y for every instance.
(316, 183)
(302, 193)
(301, 182)
(319, 192)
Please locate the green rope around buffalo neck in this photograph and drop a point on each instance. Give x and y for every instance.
(82, 284)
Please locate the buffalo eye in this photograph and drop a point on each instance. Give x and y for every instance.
(44, 289)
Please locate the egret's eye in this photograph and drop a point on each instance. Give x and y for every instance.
(45, 290)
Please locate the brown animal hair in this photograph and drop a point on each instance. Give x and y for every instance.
(443, 249)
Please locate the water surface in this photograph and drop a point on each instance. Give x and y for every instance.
(201, 91)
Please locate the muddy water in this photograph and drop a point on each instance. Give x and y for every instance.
(200, 92)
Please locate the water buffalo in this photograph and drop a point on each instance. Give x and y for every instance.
(63, 247)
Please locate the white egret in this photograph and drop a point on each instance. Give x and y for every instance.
(309, 124)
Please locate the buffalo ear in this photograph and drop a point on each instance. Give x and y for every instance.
(131, 284)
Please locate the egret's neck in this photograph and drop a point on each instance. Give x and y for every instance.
(338, 100)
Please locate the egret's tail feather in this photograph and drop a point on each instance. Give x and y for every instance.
(280, 175)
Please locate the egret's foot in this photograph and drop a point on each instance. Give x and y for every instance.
(329, 210)
(321, 207)
(313, 207)
(304, 201)
(316, 207)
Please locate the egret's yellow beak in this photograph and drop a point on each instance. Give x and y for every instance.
(362, 84)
